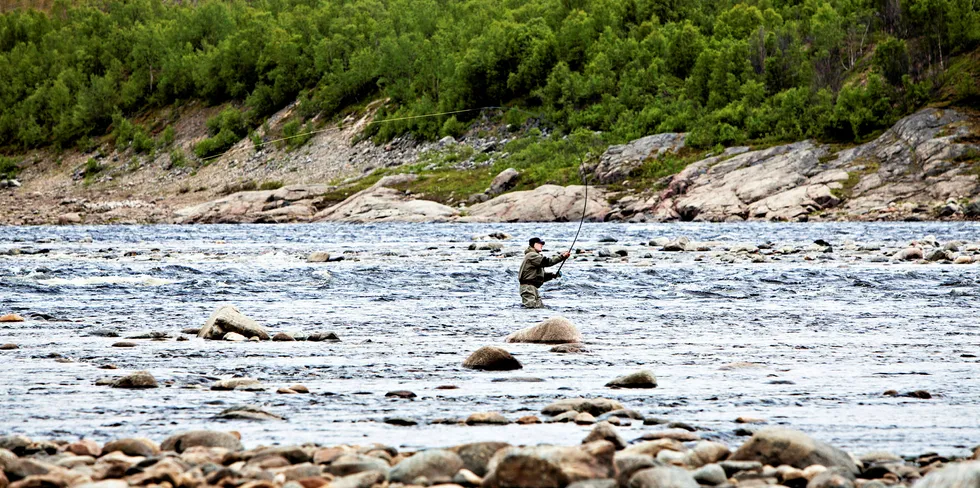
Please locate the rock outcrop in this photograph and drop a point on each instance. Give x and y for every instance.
(294, 203)
(924, 160)
(546, 203)
(619, 161)
(383, 204)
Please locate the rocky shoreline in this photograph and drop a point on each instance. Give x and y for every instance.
(771, 457)
(923, 168)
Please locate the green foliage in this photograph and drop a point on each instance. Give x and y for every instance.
(8, 168)
(92, 168)
(168, 136)
(225, 129)
(127, 134)
(177, 158)
(295, 135)
(891, 59)
(726, 71)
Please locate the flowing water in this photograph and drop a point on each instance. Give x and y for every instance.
(809, 344)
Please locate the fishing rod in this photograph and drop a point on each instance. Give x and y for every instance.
(580, 222)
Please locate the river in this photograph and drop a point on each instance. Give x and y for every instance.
(807, 340)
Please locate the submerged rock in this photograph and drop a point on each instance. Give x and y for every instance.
(556, 330)
(247, 412)
(490, 358)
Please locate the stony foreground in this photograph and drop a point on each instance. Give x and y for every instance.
(772, 457)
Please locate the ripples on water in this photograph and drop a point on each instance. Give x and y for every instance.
(410, 302)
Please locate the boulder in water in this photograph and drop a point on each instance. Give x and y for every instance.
(490, 358)
(228, 319)
(556, 330)
(909, 254)
(318, 257)
(11, 317)
(139, 379)
(639, 379)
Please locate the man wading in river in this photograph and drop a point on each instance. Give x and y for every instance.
(532, 274)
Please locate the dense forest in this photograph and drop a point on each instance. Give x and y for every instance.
(726, 71)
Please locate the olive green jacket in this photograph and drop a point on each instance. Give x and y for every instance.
(532, 269)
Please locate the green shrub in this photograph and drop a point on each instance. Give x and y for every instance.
(225, 129)
(8, 168)
(270, 185)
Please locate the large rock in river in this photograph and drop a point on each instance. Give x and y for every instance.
(550, 466)
(546, 203)
(382, 204)
(228, 319)
(490, 358)
(556, 330)
(776, 446)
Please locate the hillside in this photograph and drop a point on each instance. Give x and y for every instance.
(124, 111)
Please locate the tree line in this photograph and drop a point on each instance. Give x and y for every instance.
(725, 71)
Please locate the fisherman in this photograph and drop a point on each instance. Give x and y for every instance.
(532, 274)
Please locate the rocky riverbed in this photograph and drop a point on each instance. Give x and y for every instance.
(861, 335)
(604, 459)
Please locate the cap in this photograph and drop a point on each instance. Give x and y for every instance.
(535, 240)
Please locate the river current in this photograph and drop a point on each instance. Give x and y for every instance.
(808, 340)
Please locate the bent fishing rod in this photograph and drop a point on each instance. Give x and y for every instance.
(585, 206)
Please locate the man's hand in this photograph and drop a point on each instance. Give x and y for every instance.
(558, 274)
(566, 254)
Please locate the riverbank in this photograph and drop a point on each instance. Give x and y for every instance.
(923, 168)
